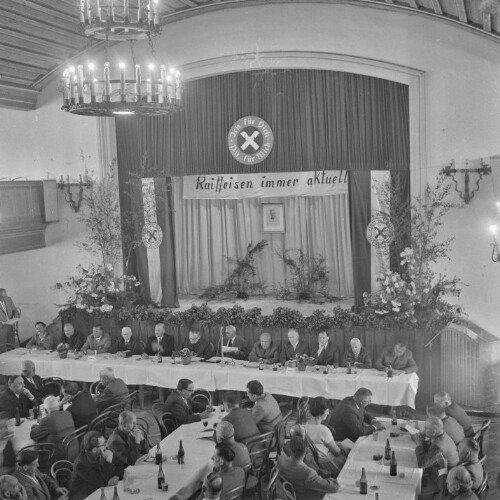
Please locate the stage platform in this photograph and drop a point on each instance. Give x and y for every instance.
(266, 304)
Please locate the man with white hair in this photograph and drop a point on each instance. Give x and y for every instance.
(451, 426)
(294, 347)
(114, 391)
(233, 340)
(160, 342)
(127, 441)
(54, 427)
(224, 433)
(357, 355)
(127, 344)
(443, 400)
(11, 488)
(32, 381)
(433, 442)
(264, 351)
(459, 484)
(71, 339)
(468, 453)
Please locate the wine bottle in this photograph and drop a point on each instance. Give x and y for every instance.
(349, 370)
(376, 496)
(158, 455)
(158, 357)
(394, 465)
(389, 371)
(161, 477)
(103, 495)
(115, 494)
(180, 454)
(261, 365)
(394, 419)
(18, 417)
(387, 454)
(363, 483)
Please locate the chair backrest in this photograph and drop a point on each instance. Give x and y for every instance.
(71, 443)
(234, 494)
(61, 471)
(96, 387)
(483, 459)
(157, 409)
(483, 486)
(313, 448)
(163, 430)
(302, 410)
(45, 455)
(99, 423)
(130, 399)
(201, 398)
(203, 392)
(279, 487)
(258, 448)
(169, 421)
(479, 436)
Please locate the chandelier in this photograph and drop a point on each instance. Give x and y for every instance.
(158, 92)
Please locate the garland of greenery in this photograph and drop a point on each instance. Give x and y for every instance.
(281, 317)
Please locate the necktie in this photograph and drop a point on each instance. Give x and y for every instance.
(230, 342)
(4, 308)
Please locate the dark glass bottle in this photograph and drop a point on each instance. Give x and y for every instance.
(115, 494)
(261, 365)
(387, 454)
(161, 477)
(18, 417)
(394, 420)
(103, 495)
(158, 356)
(394, 465)
(158, 455)
(180, 453)
(363, 483)
(349, 369)
(389, 371)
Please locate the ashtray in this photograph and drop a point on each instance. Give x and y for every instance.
(394, 434)
(377, 457)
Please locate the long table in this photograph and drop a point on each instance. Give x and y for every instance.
(337, 384)
(404, 486)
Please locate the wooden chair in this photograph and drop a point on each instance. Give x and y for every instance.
(62, 471)
(71, 443)
(277, 485)
(100, 423)
(157, 409)
(130, 400)
(483, 486)
(53, 385)
(169, 422)
(96, 387)
(258, 448)
(302, 410)
(163, 430)
(479, 436)
(278, 441)
(234, 494)
(45, 455)
(482, 460)
(202, 395)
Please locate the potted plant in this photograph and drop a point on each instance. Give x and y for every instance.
(302, 361)
(62, 350)
(183, 356)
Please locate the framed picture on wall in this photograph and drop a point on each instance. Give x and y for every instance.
(273, 218)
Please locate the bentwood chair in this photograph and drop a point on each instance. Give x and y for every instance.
(102, 422)
(279, 488)
(302, 410)
(53, 385)
(202, 396)
(45, 455)
(71, 443)
(62, 471)
(96, 387)
(278, 441)
(234, 494)
(479, 436)
(258, 448)
(169, 422)
(483, 486)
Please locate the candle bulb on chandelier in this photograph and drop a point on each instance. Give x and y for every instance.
(153, 83)
(72, 85)
(148, 90)
(98, 10)
(65, 85)
(82, 11)
(156, 13)
(91, 82)
(138, 82)
(163, 78)
(111, 11)
(178, 86)
(88, 18)
(170, 87)
(126, 14)
(80, 83)
(122, 81)
(150, 12)
(107, 83)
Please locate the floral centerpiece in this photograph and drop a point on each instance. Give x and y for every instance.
(303, 360)
(184, 355)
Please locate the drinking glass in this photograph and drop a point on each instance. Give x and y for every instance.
(205, 423)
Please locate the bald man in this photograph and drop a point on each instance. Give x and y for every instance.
(114, 391)
(357, 355)
(127, 344)
(264, 350)
(32, 381)
(160, 342)
(294, 347)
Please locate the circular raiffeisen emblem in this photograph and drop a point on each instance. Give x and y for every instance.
(152, 235)
(250, 140)
(380, 231)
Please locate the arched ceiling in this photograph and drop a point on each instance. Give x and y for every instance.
(38, 37)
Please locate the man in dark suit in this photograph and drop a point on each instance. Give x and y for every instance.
(42, 339)
(241, 418)
(293, 347)
(357, 355)
(71, 338)
(325, 353)
(349, 418)
(114, 391)
(54, 428)
(165, 343)
(233, 340)
(16, 397)
(398, 357)
(180, 405)
(98, 341)
(305, 481)
(264, 350)
(200, 347)
(127, 344)
(8, 311)
(81, 405)
(32, 381)
(38, 486)
(94, 467)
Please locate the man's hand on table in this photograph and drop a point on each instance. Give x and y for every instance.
(113, 481)
(377, 425)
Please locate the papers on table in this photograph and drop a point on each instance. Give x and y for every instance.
(410, 429)
(251, 364)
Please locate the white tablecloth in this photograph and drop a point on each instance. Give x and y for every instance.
(21, 434)
(377, 472)
(396, 391)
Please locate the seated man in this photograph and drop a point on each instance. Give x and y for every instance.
(311, 458)
(182, 408)
(443, 400)
(266, 411)
(114, 391)
(398, 357)
(357, 355)
(94, 468)
(433, 442)
(11, 488)
(305, 481)
(293, 347)
(212, 487)
(32, 381)
(459, 484)
(72, 339)
(233, 340)
(97, 342)
(127, 344)
(264, 350)
(127, 441)
(81, 405)
(224, 433)
(325, 353)
(468, 454)
(349, 418)
(37, 485)
(54, 427)
(42, 339)
(232, 477)
(241, 419)
(160, 341)
(200, 347)
(451, 426)
(16, 397)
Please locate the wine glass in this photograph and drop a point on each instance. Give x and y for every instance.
(205, 423)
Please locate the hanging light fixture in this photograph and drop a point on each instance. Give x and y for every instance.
(160, 93)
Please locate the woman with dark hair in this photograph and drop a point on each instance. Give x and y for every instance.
(332, 455)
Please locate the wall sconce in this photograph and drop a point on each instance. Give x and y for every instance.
(466, 195)
(68, 195)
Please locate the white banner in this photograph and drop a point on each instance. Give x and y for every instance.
(238, 186)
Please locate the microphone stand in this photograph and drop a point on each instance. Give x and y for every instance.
(222, 328)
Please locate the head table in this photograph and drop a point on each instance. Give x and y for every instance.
(337, 384)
